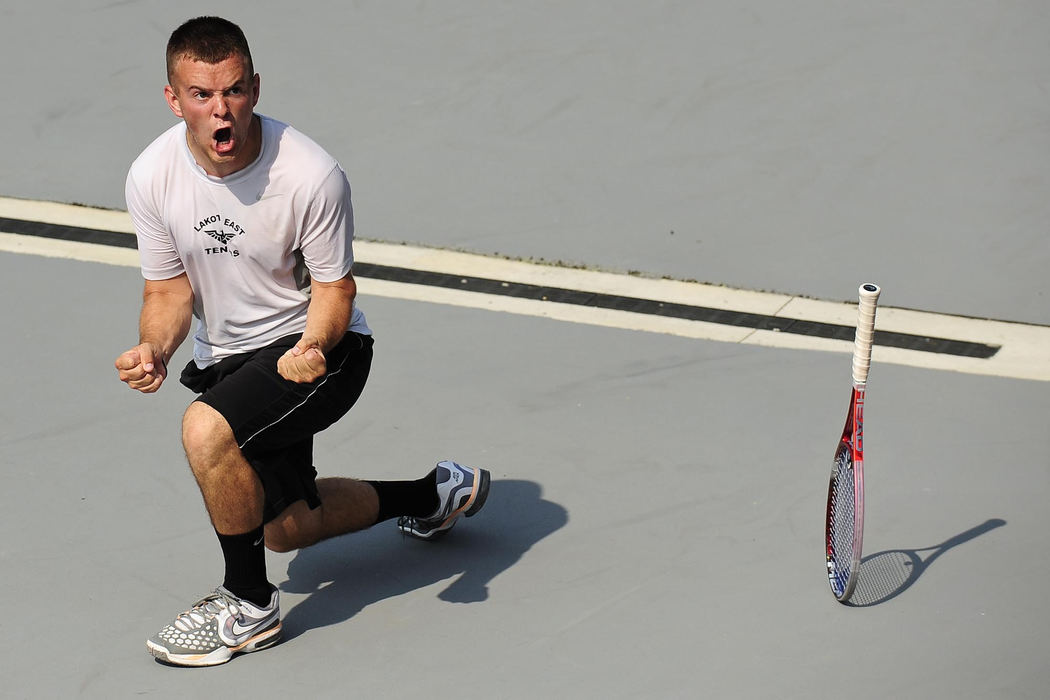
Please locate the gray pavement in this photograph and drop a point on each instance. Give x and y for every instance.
(790, 147)
(654, 528)
(655, 525)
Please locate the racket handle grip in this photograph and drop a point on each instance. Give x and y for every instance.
(869, 297)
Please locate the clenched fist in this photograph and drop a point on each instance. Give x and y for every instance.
(303, 363)
(142, 368)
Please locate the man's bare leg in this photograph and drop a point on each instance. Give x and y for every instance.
(233, 493)
(231, 489)
(347, 505)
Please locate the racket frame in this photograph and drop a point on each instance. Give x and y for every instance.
(852, 440)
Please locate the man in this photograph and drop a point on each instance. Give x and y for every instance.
(247, 224)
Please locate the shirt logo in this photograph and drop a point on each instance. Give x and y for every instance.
(221, 229)
(220, 236)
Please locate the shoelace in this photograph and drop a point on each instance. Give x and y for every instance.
(204, 610)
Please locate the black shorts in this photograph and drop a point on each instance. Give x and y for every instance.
(274, 420)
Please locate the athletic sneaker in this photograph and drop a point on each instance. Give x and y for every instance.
(461, 491)
(216, 628)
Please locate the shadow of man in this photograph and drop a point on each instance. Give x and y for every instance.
(344, 575)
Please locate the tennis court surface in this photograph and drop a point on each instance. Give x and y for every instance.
(655, 525)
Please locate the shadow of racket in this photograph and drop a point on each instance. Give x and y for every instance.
(885, 575)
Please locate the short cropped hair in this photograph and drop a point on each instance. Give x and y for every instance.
(207, 39)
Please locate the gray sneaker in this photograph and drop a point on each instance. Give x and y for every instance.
(461, 491)
(216, 628)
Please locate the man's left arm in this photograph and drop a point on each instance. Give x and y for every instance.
(327, 318)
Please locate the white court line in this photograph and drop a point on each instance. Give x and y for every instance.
(66, 214)
(1024, 353)
(73, 250)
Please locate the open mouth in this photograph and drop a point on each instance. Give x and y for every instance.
(223, 139)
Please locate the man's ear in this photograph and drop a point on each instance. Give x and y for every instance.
(173, 100)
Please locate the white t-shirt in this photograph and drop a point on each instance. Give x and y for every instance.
(249, 243)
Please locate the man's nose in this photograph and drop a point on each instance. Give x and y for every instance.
(222, 106)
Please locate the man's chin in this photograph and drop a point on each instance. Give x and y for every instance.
(222, 157)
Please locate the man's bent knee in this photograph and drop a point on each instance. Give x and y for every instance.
(296, 527)
(281, 539)
(278, 541)
(205, 434)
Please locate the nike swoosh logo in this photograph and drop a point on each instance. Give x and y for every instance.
(235, 631)
(238, 630)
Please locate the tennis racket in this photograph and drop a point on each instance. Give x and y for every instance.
(844, 531)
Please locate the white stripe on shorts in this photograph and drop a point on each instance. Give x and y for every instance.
(299, 405)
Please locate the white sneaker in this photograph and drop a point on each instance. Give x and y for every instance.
(216, 628)
(461, 491)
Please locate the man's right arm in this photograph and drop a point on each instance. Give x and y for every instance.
(167, 309)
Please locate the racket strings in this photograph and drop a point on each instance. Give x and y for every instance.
(841, 519)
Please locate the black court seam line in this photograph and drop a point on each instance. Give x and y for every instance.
(725, 317)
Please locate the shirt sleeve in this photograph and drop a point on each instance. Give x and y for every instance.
(327, 236)
(157, 254)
